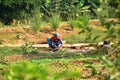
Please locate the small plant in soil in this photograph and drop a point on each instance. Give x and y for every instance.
(27, 47)
(55, 21)
(18, 36)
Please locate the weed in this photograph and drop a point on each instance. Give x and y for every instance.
(27, 47)
(83, 21)
(72, 22)
(27, 71)
(5, 51)
(36, 22)
(63, 52)
(18, 36)
(55, 21)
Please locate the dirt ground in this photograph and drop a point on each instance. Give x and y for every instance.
(9, 35)
(16, 35)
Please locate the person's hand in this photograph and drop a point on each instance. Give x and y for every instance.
(60, 46)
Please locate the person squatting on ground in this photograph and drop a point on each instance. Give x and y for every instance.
(55, 42)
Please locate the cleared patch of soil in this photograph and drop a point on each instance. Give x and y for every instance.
(16, 35)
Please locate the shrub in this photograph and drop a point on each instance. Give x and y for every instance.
(36, 22)
(71, 22)
(55, 21)
(26, 71)
(27, 47)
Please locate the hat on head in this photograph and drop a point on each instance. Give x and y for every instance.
(56, 34)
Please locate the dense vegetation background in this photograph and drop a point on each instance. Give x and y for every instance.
(27, 63)
(23, 10)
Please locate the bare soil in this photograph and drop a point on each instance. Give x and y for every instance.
(16, 35)
(8, 35)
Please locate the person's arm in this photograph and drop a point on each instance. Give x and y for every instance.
(52, 41)
(61, 43)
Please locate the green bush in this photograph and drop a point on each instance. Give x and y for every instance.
(26, 71)
(37, 22)
(72, 22)
(27, 47)
(55, 21)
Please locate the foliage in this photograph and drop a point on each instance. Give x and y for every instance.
(45, 69)
(71, 22)
(74, 8)
(26, 71)
(51, 69)
(98, 34)
(55, 21)
(27, 8)
(14, 10)
(116, 5)
(80, 21)
(65, 8)
(37, 17)
(112, 59)
(76, 12)
(18, 36)
(36, 22)
(4, 51)
(74, 38)
(83, 21)
(27, 47)
(118, 11)
(113, 63)
(103, 11)
(24, 10)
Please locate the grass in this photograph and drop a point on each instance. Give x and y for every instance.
(62, 68)
(70, 67)
(55, 21)
(97, 34)
(55, 66)
(6, 51)
(82, 35)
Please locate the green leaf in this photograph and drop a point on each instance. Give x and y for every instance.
(117, 62)
(95, 38)
(94, 71)
(118, 32)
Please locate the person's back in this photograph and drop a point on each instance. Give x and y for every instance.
(55, 41)
(55, 38)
